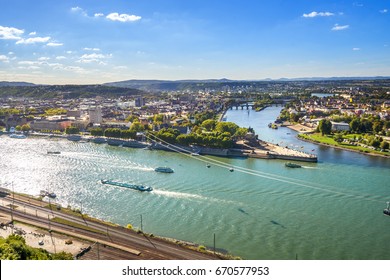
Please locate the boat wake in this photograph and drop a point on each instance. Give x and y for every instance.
(141, 168)
(181, 195)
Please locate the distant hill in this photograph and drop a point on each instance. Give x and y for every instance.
(67, 91)
(167, 85)
(334, 78)
(161, 85)
(16, 84)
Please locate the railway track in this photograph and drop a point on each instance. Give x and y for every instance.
(114, 242)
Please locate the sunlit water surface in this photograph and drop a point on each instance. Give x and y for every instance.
(328, 210)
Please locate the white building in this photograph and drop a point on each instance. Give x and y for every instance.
(340, 126)
(95, 115)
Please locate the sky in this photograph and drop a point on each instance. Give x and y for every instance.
(97, 41)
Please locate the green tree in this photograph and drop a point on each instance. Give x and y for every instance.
(14, 247)
(132, 118)
(355, 125)
(241, 132)
(338, 138)
(186, 139)
(377, 126)
(365, 126)
(325, 126)
(209, 124)
(97, 131)
(128, 134)
(294, 117)
(25, 127)
(112, 132)
(384, 145)
(72, 130)
(375, 142)
(137, 126)
(55, 111)
(62, 256)
(168, 137)
(201, 117)
(230, 127)
(158, 118)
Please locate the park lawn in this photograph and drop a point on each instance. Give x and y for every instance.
(317, 137)
(328, 140)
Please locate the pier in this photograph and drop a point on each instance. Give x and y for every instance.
(265, 150)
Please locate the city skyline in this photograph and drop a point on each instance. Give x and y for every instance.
(88, 42)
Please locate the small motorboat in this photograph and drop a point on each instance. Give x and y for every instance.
(292, 165)
(386, 211)
(164, 169)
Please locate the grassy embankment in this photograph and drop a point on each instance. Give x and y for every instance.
(330, 141)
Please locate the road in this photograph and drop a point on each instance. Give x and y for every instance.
(110, 242)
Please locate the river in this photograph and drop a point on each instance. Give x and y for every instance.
(327, 210)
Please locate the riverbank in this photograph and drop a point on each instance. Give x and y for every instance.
(264, 150)
(300, 127)
(356, 149)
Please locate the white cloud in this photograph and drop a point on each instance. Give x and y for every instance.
(123, 17)
(61, 57)
(384, 11)
(356, 49)
(55, 65)
(43, 58)
(75, 69)
(76, 9)
(92, 49)
(52, 44)
(10, 33)
(33, 40)
(4, 58)
(30, 62)
(32, 33)
(337, 27)
(79, 10)
(318, 14)
(32, 67)
(111, 16)
(93, 57)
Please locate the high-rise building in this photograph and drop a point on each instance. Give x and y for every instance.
(139, 102)
(95, 115)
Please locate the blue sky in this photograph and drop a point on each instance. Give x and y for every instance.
(96, 41)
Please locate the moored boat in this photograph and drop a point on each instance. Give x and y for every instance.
(135, 144)
(99, 140)
(74, 137)
(114, 142)
(292, 165)
(44, 193)
(126, 185)
(53, 152)
(51, 195)
(18, 136)
(164, 169)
